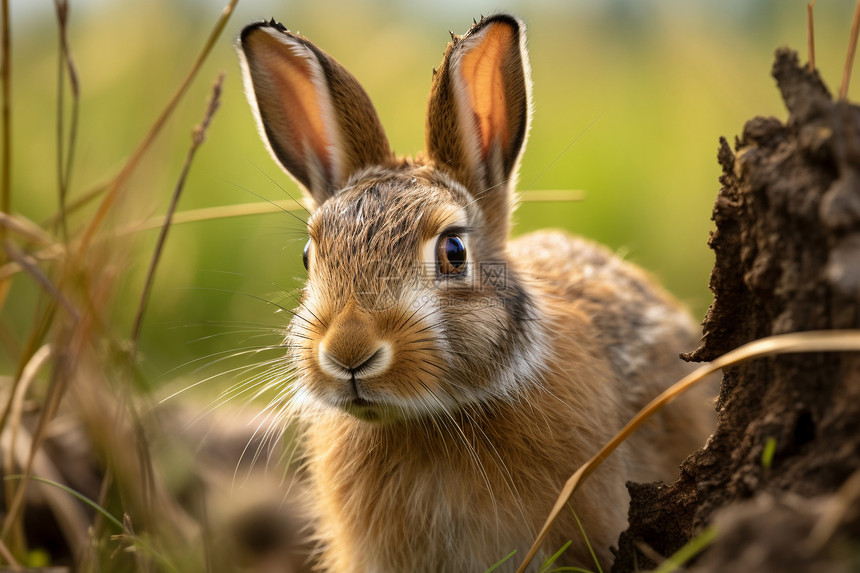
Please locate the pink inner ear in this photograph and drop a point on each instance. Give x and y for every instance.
(482, 71)
(296, 105)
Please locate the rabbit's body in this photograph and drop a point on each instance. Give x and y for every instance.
(457, 493)
(449, 381)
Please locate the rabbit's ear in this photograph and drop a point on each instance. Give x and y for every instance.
(318, 121)
(478, 115)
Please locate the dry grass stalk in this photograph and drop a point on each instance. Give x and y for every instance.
(291, 205)
(65, 150)
(6, 113)
(802, 342)
(5, 126)
(852, 48)
(198, 136)
(810, 34)
(71, 337)
(118, 183)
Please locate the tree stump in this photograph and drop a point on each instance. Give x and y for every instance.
(787, 246)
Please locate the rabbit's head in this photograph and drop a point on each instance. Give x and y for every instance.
(411, 307)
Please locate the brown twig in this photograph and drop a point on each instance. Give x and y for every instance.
(32, 268)
(10, 559)
(119, 181)
(15, 406)
(65, 160)
(27, 229)
(810, 34)
(6, 167)
(852, 47)
(198, 135)
(41, 326)
(79, 202)
(49, 409)
(5, 127)
(16, 403)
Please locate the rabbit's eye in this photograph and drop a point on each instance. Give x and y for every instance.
(305, 254)
(450, 255)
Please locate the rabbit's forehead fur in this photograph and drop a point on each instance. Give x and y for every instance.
(375, 228)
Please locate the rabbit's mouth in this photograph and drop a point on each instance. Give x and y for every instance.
(357, 400)
(364, 410)
(358, 405)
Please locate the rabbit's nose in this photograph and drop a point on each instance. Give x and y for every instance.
(351, 348)
(367, 366)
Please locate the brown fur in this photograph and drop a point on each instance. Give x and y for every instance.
(314, 155)
(505, 68)
(441, 413)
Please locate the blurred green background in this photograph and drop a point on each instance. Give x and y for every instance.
(631, 97)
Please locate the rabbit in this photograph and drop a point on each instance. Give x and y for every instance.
(447, 380)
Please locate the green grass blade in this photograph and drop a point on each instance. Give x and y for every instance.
(587, 542)
(549, 562)
(690, 549)
(76, 494)
(502, 562)
(768, 452)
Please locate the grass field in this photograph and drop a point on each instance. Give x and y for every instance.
(630, 100)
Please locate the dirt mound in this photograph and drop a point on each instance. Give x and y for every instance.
(787, 245)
